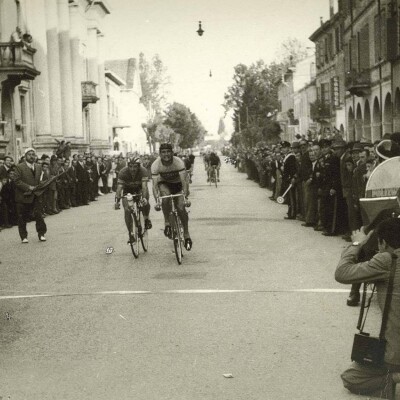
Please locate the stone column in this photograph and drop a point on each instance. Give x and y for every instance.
(93, 75)
(77, 73)
(53, 63)
(102, 92)
(36, 23)
(65, 68)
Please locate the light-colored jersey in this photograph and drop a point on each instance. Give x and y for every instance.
(168, 173)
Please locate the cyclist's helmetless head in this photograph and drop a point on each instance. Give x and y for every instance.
(166, 153)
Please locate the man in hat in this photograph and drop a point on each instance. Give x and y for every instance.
(336, 209)
(27, 177)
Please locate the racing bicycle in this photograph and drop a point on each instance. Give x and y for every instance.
(139, 232)
(213, 175)
(176, 226)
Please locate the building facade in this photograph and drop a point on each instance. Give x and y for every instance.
(371, 61)
(60, 92)
(132, 113)
(329, 110)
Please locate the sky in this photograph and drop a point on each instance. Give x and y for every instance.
(235, 31)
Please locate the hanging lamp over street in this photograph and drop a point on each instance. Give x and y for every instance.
(200, 30)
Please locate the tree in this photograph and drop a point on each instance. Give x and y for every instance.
(154, 82)
(183, 122)
(290, 52)
(253, 96)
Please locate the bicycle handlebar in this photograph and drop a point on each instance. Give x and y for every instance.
(171, 195)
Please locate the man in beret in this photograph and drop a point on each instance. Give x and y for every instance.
(27, 178)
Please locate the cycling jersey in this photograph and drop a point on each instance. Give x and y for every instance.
(132, 183)
(188, 164)
(214, 160)
(168, 173)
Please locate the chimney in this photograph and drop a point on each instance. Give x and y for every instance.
(331, 9)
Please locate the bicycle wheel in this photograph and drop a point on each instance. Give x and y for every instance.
(215, 178)
(177, 238)
(143, 234)
(134, 237)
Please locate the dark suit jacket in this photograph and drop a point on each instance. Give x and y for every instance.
(81, 173)
(289, 168)
(24, 177)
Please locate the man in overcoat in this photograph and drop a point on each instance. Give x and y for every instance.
(27, 178)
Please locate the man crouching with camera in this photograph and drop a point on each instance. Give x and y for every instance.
(376, 378)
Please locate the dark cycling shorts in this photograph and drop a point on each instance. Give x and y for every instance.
(170, 188)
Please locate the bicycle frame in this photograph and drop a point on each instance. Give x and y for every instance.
(176, 226)
(140, 231)
(213, 175)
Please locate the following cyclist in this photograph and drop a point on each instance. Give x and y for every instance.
(213, 162)
(133, 179)
(169, 177)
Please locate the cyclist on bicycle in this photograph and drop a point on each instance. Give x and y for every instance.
(133, 179)
(188, 167)
(169, 177)
(213, 162)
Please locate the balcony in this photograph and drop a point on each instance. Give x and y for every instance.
(16, 62)
(358, 83)
(320, 111)
(89, 93)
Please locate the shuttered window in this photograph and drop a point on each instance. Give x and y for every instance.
(330, 46)
(377, 38)
(354, 53)
(363, 45)
(347, 57)
(384, 41)
(325, 95)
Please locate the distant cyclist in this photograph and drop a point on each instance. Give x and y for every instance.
(188, 167)
(213, 161)
(133, 179)
(169, 177)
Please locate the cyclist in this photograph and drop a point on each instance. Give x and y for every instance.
(213, 161)
(188, 167)
(169, 177)
(133, 179)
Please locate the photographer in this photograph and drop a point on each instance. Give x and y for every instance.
(363, 379)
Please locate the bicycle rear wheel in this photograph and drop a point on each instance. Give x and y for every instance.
(134, 237)
(215, 177)
(143, 234)
(177, 238)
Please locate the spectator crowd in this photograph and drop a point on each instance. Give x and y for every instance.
(327, 177)
(81, 180)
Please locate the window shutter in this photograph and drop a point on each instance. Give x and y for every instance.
(384, 41)
(347, 57)
(377, 36)
(354, 53)
(364, 48)
(393, 39)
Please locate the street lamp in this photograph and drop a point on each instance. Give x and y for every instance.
(200, 31)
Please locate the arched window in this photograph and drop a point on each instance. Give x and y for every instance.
(388, 115)
(377, 121)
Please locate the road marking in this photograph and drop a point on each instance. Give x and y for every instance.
(177, 291)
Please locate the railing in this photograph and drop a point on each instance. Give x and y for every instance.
(89, 92)
(358, 82)
(16, 55)
(320, 110)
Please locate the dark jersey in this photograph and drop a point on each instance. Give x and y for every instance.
(132, 183)
(214, 160)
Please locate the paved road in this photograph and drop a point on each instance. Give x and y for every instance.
(254, 298)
